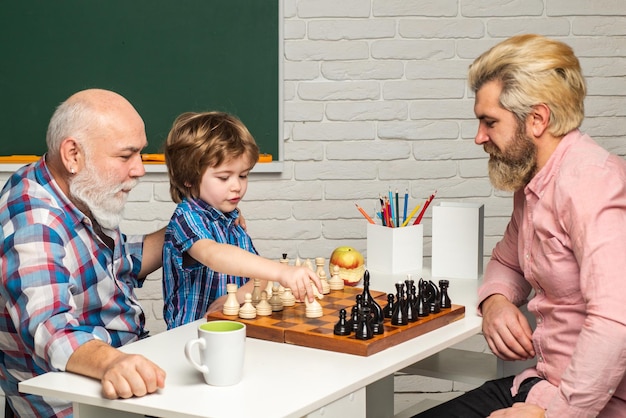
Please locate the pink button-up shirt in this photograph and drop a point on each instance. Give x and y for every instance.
(566, 240)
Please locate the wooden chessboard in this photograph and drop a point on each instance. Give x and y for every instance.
(293, 327)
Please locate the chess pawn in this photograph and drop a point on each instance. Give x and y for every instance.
(388, 309)
(343, 326)
(336, 282)
(313, 309)
(231, 305)
(256, 292)
(288, 298)
(444, 299)
(275, 301)
(354, 318)
(324, 281)
(247, 310)
(263, 308)
(364, 328)
(377, 311)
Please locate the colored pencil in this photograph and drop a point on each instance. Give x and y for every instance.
(419, 217)
(370, 220)
(391, 211)
(406, 203)
(397, 209)
(413, 212)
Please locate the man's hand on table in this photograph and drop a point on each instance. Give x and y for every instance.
(122, 375)
(506, 329)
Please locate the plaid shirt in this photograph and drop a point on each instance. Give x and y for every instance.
(189, 289)
(61, 285)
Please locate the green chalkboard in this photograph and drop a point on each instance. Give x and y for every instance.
(165, 56)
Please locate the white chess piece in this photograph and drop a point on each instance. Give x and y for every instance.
(231, 305)
(247, 310)
(256, 292)
(288, 298)
(263, 308)
(313, 309)
(307, 263)
(336, 282)
(275, 301)
(319, 265)
(324, 281)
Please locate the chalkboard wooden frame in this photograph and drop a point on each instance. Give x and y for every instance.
(166, 57)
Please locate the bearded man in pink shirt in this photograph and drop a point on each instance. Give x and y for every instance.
(564, 249)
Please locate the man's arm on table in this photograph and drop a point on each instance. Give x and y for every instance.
(122, 375)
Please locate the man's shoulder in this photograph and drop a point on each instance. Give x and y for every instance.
(584, 152)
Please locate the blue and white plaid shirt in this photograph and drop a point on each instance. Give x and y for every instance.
(61, 286)
(188, 290)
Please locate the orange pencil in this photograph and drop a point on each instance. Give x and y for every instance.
(370, 220)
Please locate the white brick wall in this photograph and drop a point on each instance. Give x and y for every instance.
(375, 97)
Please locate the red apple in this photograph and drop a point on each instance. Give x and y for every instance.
(351, 265)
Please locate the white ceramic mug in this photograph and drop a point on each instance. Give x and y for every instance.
(222, 347)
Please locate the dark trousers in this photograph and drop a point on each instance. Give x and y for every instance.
(482, 401)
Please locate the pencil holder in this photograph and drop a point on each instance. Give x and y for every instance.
(395, 250)
(457, 240)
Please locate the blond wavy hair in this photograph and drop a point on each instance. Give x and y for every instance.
(535, 70)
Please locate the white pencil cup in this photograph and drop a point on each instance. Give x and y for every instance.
(457, 249)
(395, 250)
(222, 348)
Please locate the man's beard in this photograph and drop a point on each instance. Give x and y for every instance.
(100, 196)
(513, 168)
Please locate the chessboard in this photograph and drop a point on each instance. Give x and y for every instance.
(291, 325)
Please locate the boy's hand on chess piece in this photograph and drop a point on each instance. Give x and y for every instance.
(506, 329)
(300, 280)
(520, 410)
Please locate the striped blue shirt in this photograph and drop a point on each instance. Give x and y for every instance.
(62, 286)
(189, 287)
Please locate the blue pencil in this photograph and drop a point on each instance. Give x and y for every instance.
(406, 203)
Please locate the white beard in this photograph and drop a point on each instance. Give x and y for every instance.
(100, 197)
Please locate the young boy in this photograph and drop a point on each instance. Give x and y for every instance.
(209, 156)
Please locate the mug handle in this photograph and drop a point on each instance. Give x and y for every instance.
(189, 347)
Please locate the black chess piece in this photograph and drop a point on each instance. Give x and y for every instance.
(399, 311)
(433, 301)
(411, 305)
(354, 318)
(434, 307)
(364, 330)
(388, 309)
(342, 327)
(422, 304)
(444, 299)
(378, 315)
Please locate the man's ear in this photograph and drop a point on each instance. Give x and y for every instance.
(538, 120)
(72, 155)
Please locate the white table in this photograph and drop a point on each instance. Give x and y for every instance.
(280, 380)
